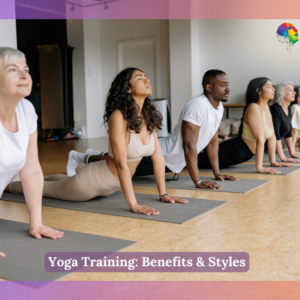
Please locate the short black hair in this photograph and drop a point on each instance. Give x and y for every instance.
(208, 76)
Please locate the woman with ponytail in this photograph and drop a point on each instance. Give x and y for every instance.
(256, 127)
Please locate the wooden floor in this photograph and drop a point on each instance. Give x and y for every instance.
(264, 223)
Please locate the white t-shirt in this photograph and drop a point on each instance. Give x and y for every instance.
(200, 112)
(13, 146)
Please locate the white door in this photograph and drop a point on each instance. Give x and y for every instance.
(141, 54)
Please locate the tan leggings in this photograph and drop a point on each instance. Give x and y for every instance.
(95, 179)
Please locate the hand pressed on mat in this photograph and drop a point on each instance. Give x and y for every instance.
(223, 177)
(144, 210)
(170, 199)
(38, 231)
(208, 185)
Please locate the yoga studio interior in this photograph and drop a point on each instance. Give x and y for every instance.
(72, 64)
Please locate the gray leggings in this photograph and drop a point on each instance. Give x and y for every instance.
(95, 179)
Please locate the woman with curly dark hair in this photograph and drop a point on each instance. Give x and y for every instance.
(132, 121)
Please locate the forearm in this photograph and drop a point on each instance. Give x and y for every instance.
(213, 156)
(291, 146)
(159, 168)
(279, 150)
(126, 185)
(260, 147)
(33, 181)
(191, 158)
(271, 148)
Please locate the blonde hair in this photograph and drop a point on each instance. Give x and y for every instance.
(12, 54)
(280, 91)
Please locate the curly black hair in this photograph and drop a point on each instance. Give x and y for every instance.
(119, 98)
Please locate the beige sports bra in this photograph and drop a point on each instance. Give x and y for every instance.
(135, 149)
(268, 132)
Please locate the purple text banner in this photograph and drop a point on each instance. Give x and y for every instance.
(147, 262)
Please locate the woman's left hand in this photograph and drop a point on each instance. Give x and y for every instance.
(40, 230)
(278, 164)
(170, 199)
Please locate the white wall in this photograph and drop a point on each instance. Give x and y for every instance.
(95, 63)
(75, 39)
(84, 35)
(246, 49)
(8, 33)
(114, 31)
(93, 78)
(180, 66)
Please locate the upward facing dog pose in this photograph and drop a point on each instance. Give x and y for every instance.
(295, 108)
(256, 128)
(132, 121)
(18, 138)
(282, 119)
(196, 128)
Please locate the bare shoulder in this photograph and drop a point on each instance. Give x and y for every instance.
(117, 119)
(252, 108)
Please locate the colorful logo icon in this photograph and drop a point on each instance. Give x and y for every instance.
(287, 33)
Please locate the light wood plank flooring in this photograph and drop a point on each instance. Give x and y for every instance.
(264, 223)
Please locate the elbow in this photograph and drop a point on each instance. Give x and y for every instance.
(188, 146)
(260, 141)
(121, 165)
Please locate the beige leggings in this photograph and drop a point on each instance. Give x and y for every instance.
(95, 179)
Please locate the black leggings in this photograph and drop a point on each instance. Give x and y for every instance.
(145, 167)
(231, 152)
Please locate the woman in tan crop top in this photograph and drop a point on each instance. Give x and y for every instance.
(256, 128)
(132, 120)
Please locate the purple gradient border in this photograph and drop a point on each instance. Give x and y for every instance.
(149, 290)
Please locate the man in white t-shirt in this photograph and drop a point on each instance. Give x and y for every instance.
(197, 128)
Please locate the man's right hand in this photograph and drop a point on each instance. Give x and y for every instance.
(2, 254)
(209, 185)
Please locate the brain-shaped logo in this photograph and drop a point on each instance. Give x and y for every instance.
(287, 33)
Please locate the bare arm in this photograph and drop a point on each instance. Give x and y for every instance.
(117, 135)
(190, 134)
(291, 147)
(159, 167)
(254, 119)
(213, 156)
(32, 180)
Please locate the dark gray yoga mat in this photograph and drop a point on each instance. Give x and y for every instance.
(251, 169)
(242, 186)
(116, 205)
(24, 260)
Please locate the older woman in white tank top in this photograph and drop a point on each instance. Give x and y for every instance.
(18, 138)
(132, 121)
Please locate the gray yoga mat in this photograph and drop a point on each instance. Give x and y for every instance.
(251, 169)
(24, 260)
(116, 205)
(242, 186)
